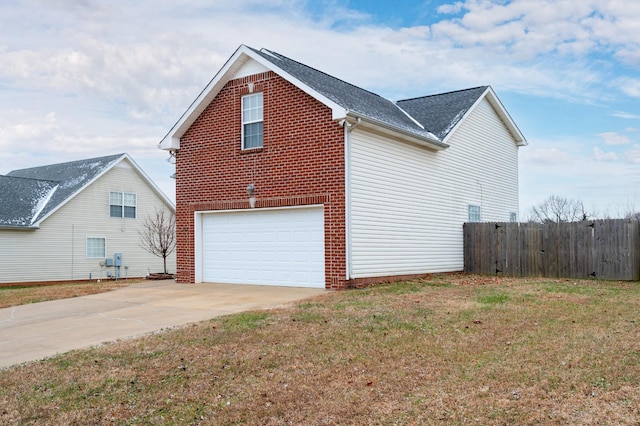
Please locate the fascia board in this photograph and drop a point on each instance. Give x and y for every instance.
(172, 139)
(500, 110)
(338, 111)
(137, 168)
(148, 181)
(506, 117)
(19, 228)
(72, 196)
(382, 127)
(239, 58)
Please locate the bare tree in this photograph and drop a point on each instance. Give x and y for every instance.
(559, 209)
(633, 215)
(158, 234)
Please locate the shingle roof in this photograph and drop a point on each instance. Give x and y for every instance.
(427, 120)
(21, 199)
(28, 195)
(440, 113)
(352, 98)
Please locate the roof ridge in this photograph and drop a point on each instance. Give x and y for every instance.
(444, 93)
(280, 56)
(69, 162)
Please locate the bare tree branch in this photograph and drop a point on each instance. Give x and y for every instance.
(158, 235)
(559, 209)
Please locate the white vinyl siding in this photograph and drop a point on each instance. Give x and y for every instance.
(408, 203)
(57, 251)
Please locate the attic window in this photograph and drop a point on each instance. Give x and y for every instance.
(252, 121)
(122, 204)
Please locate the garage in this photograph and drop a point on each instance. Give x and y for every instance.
(280, 247)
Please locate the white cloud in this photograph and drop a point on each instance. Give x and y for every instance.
(613, 138)
(600, 155)
(87, 77)
(629, 86)
(546, 155)
(622, 114)
(633, 155)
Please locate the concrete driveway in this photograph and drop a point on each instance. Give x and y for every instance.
(40, 330)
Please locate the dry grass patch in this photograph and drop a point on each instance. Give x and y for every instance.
(21, 295)
(450, 350)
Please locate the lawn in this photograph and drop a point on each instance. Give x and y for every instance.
(450, 349)
(20, 295)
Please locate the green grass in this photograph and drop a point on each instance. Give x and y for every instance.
(494, 298)
(470, 350)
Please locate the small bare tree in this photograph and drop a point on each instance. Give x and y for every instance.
(158, 234)
(558, 209)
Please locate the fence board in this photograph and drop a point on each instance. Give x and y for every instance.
(605, 249)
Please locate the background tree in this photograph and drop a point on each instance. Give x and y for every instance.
(633, 215)
(158, 234)
(558, 209)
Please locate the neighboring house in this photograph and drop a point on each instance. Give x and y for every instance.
(349, 188)
(63, 221)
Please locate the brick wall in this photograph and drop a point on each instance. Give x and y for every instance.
(301, 162)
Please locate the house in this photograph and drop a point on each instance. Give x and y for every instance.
(288, 176)
(67, 221)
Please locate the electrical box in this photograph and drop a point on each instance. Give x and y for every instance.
(117, 259)
(108, 262)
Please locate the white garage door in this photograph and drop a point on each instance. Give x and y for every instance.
(282, 247)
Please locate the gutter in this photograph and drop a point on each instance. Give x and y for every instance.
(430, 142)
(19, 227)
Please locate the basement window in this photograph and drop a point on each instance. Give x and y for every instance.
(252, 108)
(122, 204)
(474, 213)
(96, 247)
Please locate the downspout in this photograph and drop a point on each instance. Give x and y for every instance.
(348, 128)
(73, 237)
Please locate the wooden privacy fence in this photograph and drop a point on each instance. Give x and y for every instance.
(604, 249)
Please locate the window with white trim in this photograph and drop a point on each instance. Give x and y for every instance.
(513, 217)
(252, 109)
(474, 213)
(122, 204)
(96, 247)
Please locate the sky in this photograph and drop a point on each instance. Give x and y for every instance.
(86, 78)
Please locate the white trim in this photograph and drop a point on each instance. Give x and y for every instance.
(124, 204)
(244, 123)
(198, 239)
(198, 229)
(431, 142)
(479, 212)
(171, 140)
(137, 168)
(43, 203)
(347, 198)
(86, 241)
(500, 110)
(197, 246)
